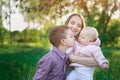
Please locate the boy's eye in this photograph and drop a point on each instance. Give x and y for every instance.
(72, 36)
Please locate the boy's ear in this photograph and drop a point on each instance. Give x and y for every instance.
(62, 41)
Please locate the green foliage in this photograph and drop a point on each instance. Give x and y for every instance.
(27, 35)
(111, 37)
(1, 30)
(46, 29)
(49, 12)
(44, 42)
(34, 35)
(15, 36)
(4, 36)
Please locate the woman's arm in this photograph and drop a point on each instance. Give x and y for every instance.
(88, 61)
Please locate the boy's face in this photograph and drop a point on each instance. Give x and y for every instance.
(70, 39)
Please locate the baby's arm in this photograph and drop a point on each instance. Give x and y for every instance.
(98, 55)
(88, 61)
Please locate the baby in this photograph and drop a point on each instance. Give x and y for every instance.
(88, 45)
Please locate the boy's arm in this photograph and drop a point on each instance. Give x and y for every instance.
(44, 66)
(88, 61)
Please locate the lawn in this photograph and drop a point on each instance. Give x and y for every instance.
(19, 63)
(113, 55)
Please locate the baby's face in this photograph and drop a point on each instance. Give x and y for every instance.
(85, 38)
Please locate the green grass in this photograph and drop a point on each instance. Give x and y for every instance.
(113, 55)
(18, 62)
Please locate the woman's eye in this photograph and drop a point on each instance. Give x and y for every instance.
(72, 22)
(79, 25)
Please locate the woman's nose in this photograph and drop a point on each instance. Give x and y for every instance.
(75, 29)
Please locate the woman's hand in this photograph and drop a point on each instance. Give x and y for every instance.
(88, 61)
(71, 56)
(82, 55)
(75, 55)
(79, 54)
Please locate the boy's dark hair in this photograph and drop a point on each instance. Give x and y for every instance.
(56, 34)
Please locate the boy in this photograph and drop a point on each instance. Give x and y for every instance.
(53, 65)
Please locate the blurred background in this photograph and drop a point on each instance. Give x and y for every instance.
(25, 24)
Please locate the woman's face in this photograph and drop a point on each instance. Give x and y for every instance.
(75, 24)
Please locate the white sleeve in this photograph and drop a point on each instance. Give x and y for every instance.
(70, 50)
(98, 55)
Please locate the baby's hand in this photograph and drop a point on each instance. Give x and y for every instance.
(105, 66)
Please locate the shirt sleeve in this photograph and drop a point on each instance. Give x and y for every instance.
(98, 55)
(44, 66)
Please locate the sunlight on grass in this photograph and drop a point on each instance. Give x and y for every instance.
(19, 62)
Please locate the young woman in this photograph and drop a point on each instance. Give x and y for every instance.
(76, 23)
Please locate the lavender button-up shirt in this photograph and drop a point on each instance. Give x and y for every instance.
(52, 66)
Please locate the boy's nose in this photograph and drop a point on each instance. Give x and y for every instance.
(79, 39)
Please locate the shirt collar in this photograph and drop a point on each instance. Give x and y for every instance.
(59, 52)
(96, 42)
